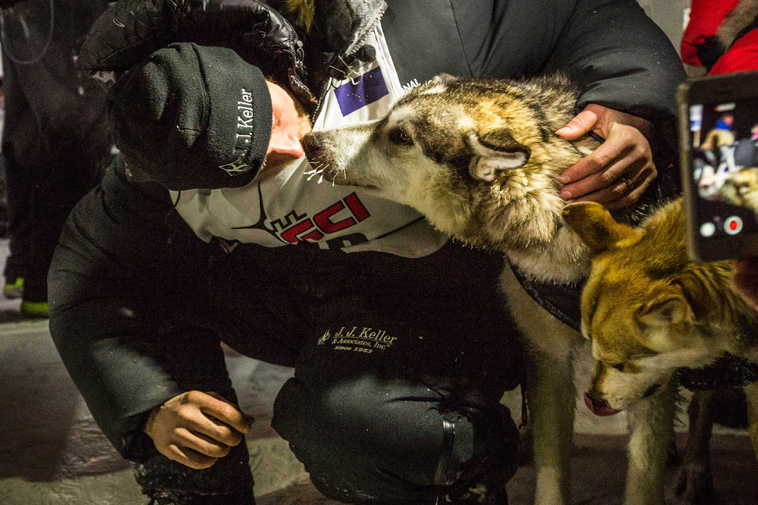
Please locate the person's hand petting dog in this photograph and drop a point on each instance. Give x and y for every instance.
(620, 169)
(196, 428)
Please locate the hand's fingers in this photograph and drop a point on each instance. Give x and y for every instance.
(188, 457)
(623, 192)
(630, 197)
(198, 420)
(580, 125)
(601, 179)
(212, 428)
(597, 161)
(223, 411)
(622, 141)
(200, 443)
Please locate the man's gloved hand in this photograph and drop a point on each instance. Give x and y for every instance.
(192, 117)
(709, 51)
(196, 428)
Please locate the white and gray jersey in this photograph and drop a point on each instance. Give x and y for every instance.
(293, 204)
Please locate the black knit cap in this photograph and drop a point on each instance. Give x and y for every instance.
(192, 117)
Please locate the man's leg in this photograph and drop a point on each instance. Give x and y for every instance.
(56, 188)
(18, 190)
(381, 412)
(379, 440)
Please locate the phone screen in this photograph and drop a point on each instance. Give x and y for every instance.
(724, 168)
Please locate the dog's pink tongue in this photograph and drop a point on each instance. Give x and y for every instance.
(599, 408)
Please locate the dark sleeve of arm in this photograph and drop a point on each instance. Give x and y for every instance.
(98, 310)
(130, 30)
(623, 60)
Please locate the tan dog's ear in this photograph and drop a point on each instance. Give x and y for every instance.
(663, 318)
(494, 151)
(597, 228)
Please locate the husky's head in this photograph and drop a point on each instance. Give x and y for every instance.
(647, 308)
(478, 158)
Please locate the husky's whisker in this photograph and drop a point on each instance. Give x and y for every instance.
(317, 169)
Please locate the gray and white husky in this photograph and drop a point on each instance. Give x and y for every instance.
(481, 160)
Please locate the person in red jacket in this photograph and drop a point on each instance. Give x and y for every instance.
(721, 36)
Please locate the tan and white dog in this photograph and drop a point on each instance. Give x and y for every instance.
(649, 310)
(481, 161)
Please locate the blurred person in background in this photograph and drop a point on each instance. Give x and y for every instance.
(54, 142)
(721, 36)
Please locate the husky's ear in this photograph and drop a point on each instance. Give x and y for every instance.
(597, 228)
(496, 150)
(666, 316)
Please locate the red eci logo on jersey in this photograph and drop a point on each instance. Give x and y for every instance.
(337, 217)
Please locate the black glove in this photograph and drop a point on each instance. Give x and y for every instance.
(710, 51)
(192, 117)
(129, 30)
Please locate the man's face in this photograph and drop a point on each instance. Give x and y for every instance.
(289, 125)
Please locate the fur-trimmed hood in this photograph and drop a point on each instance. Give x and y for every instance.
(348, 21)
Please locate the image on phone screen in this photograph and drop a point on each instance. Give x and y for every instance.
(725, 167)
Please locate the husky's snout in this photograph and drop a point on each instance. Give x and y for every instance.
(320, 152)
(339, 154)
(313, 145)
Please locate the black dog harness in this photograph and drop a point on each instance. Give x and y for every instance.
(728, 371)
(561, 300)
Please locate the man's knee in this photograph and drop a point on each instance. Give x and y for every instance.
(374, 439)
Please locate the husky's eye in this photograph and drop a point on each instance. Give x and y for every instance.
(400, 136)
(618, 366)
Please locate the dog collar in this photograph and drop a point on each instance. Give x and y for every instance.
(727, 371)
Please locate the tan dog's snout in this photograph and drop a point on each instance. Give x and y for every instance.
(599, 406)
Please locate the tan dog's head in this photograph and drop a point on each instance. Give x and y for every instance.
(479, 159)
(636, 304)
(741, 188)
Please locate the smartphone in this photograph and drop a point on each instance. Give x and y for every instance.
(718, 145)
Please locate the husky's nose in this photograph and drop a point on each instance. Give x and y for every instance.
(597, 405)
(312, 145)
